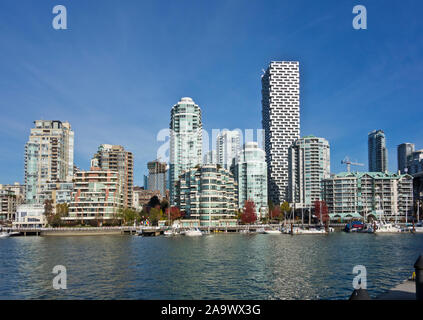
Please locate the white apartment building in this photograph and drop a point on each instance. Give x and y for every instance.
(186, 141)
(227, 148)
(251, 176)
(309, 164)
(366, 194)
(48, 156)
(30, 216)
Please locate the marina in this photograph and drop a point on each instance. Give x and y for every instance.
(288, 228)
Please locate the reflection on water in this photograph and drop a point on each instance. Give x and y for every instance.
(222, 266)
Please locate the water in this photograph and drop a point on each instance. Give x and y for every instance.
(221, 266)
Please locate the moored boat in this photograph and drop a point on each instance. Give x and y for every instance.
(4, 235)
(193, 233)
(384, 227)
(272, 231)
(354, 226)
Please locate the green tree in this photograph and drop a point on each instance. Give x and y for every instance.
(52, 219)
(62, 209)
(128, 216)
(285, 208)
(155, 215)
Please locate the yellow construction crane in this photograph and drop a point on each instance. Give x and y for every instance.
(348, 162)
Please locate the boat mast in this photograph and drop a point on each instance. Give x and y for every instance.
(406, 210)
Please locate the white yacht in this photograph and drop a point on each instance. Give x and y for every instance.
(168, 233)
(193, 233)
(298, 230)
(384, 227)
(418, 229)
(4, 235)
(272, 231)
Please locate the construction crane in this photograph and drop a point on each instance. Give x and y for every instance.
(348, 162)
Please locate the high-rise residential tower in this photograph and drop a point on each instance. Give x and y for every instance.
(227, 147)
(280, 121)
(210, 157)
(378, 157)
(186, 140)
(309, 164)
(116, 158)
(251, 176)
(48, 156)
(157, 176)
(404, 152)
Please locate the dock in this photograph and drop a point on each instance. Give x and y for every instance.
(404, 291)
(141, 230)
(88, 231)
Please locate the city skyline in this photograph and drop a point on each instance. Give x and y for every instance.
(47, 89)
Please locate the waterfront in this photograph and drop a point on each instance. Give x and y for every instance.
(220, 266)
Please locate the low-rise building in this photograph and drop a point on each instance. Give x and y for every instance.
(349, 194)
(97, 195)
(11, 196)
(30, 216)
(207, 193)
(57, 192)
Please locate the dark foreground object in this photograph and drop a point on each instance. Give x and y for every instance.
(360, 294)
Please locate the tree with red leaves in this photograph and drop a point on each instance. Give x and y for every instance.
(249, 214)
(321, 211)
(275, 213)
(174, 213)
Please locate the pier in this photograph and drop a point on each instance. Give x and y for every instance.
(143, 230)
(404, 291)
(89, 231)
(410, 289)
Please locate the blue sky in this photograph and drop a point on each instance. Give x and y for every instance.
(121, 65)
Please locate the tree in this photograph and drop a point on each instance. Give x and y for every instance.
(62, 209)
(275, 213)
(285, 208)
(52, 219)
(249, 214)
(48, 207)
(164, 205)
(174, 213)
(321, 211)
(155, 215)
(154, 202)
(128, 216)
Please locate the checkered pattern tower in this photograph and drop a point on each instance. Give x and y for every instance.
(281, 122)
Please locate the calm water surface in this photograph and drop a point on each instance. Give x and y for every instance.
(222, 266)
